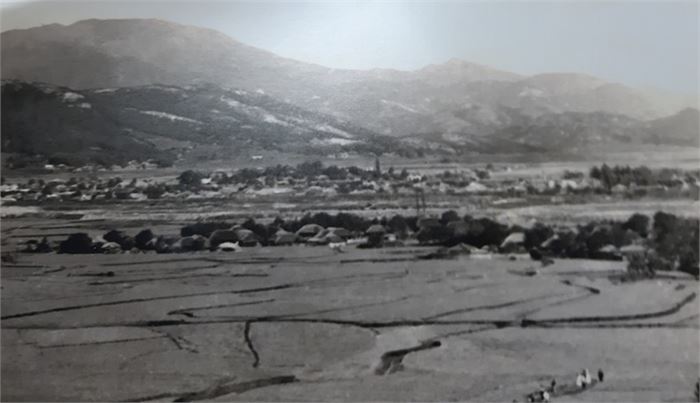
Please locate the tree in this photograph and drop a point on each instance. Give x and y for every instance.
(335, 173)
(323, 219)
(398, 225)
(638, 223)
(665, 233)
(642, 265)
(154, 191)
(449, 215)
(351, 222)
(607, 177)
(676, 240)
(601, 235)
(310, 169)
(433, 235)
(536, 235)
(190, 178)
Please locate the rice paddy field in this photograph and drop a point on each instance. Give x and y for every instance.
(304, 323)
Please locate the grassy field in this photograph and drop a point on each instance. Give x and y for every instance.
(308, 324)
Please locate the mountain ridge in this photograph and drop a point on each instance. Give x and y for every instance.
(446, 106)
(128, 52)
(114, 125)
(160, 122)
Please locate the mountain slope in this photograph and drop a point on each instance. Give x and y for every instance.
(62, 124)
(114, 125)
(683, 128)
(133, 52)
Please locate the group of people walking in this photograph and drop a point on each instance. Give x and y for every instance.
(583, 380)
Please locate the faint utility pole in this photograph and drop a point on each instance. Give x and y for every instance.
(420, 201)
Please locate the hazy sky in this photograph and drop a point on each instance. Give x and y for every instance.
(641, 43)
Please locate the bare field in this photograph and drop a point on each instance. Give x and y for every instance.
(47, 220)
(307, 324)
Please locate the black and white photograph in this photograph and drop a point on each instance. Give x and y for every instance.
(350, 201)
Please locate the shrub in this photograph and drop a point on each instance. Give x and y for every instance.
(638, 267)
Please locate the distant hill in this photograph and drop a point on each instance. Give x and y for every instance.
(63, 125)
(137, 52)
(683, 128)
(570, 133)
(115, 125)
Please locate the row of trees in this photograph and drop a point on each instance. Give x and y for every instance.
(673, 240)
(670, 242)
(640, 176)
(667, 242)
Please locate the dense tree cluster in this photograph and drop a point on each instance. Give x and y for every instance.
(675, 239)
(640, 176)
(667, 242)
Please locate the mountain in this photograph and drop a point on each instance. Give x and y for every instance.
(683, 128)
(115, 53)
(131, 52)
(158, 89)
(134, 52)
(160, 122)
(115, 125)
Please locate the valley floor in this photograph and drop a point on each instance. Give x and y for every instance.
(310, 324)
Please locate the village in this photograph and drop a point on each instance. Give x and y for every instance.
(328, 182)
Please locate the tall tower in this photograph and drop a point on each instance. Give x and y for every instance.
(377, 167)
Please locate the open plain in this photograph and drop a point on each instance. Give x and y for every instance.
(307, 323)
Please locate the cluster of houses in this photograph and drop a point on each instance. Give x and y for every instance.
(326, 183)
(203, 237)
(130, 166)
(458, 235)
(74, 189)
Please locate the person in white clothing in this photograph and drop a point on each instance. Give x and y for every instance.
(587, 377)
(545, 396)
